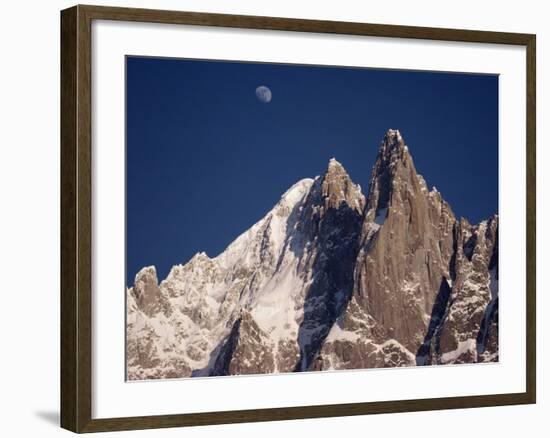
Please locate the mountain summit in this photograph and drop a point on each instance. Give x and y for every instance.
(338, 188)
(328, 279)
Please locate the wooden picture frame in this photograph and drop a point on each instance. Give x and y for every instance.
(76, 217)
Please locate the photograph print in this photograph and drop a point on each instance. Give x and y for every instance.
(296, 218)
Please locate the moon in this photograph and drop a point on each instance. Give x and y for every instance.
(263, 94)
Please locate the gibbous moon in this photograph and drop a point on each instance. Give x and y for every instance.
(263, 94)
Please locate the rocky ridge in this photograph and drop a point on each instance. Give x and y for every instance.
(328, 279)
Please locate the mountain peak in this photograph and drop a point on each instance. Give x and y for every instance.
(146, 274)
(333, 162)
(393, 163)
(337, 187)
(200, 256)
(297, 191)
(393, 133)
(335, 168)
(147, 293)
(392, 145)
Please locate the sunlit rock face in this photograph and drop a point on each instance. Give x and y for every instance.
(329, 279)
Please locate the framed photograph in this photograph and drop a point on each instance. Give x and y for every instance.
(268, 218)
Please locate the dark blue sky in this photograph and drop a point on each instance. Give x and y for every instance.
(206, 159)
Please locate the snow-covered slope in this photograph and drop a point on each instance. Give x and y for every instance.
(328, 279)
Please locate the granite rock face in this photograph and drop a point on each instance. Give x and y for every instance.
(329, 279)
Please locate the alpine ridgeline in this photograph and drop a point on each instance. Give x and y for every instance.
(329, 279)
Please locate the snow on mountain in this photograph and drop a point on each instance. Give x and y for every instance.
(328, 279)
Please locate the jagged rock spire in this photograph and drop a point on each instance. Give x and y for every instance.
(393, 164)
(337, 187)
(411, 248)
(392, 144)
(147, 293)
